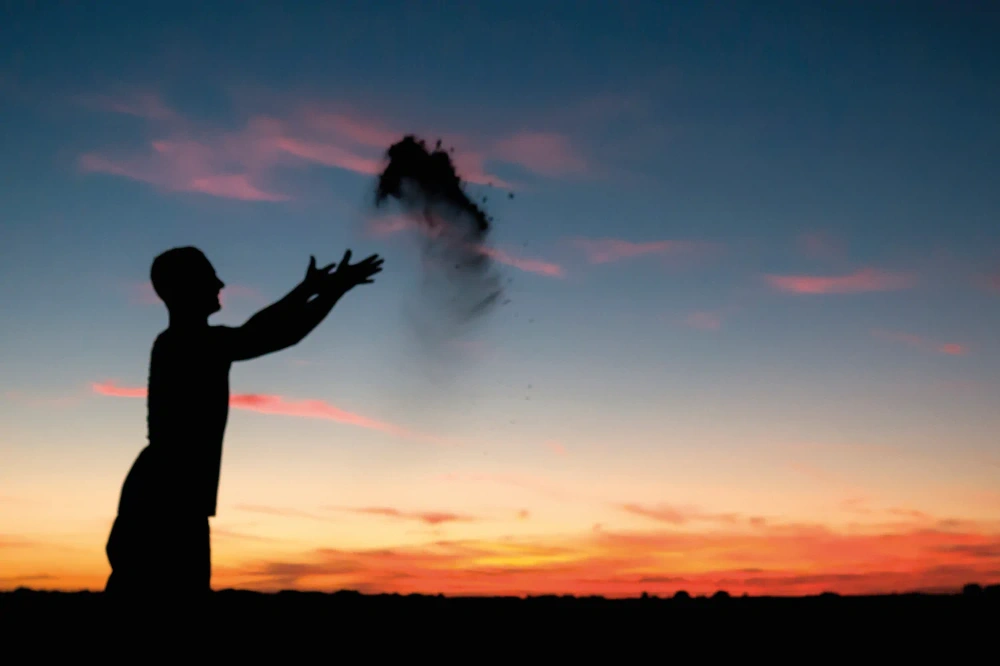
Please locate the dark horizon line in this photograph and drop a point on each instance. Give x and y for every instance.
(968, 589)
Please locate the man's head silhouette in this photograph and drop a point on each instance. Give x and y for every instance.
(185, 280)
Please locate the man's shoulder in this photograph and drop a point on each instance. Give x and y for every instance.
(171, 341)
(221, 333)
(162, 338)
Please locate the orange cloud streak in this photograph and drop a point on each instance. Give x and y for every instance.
(756, 559)
(429, 517)
(865, 280)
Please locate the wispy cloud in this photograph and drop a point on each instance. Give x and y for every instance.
(241, 163)
(428, 517)
(545, 153)
(280, 406)
(182, 167)
(681, 515)
(221, 532)
(864, 280)
(388, 225)
(918, 342)
(769, 557)
(606, 250)
(705, 321)
(112, 389)
(536, 266)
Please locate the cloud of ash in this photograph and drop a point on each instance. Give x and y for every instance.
(461, 281)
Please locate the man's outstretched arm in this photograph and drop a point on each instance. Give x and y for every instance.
(286, 322)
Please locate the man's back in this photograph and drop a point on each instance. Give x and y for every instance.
(188, 406)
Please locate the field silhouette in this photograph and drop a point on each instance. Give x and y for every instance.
(747, 625)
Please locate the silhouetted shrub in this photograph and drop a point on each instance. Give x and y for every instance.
(721, 594)
(682, 595)
(972, 589)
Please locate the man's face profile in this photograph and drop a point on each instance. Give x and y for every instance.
(186, 281)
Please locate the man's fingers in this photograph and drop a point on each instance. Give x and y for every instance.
(327, 269)
(312, 262)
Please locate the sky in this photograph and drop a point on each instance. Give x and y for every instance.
(753, 291)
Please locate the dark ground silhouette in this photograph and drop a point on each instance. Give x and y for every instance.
(810, 628)
(160, 543)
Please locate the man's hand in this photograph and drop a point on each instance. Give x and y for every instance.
(285, 323)
(316, 278)
(347, 276)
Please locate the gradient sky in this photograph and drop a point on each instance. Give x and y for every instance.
(751, 342)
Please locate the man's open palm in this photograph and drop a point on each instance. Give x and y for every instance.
(350, 275)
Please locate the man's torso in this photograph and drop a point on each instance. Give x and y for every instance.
(188, 403)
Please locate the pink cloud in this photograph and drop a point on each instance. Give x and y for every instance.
(706, 321)
(865, 280)
(393, 224)
(329, 155)
(359, 129)
(235, 164)
(605, 250)
(470, 165)
(110, 388)
(277, 405)
(233, 186)
(528, 265)
(917, 342)
(544, 153)
(953, 349)
(183, 166)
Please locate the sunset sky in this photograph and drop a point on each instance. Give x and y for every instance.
(753, 333)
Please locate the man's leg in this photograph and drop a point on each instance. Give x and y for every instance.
(190, 556)
(124, 549)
